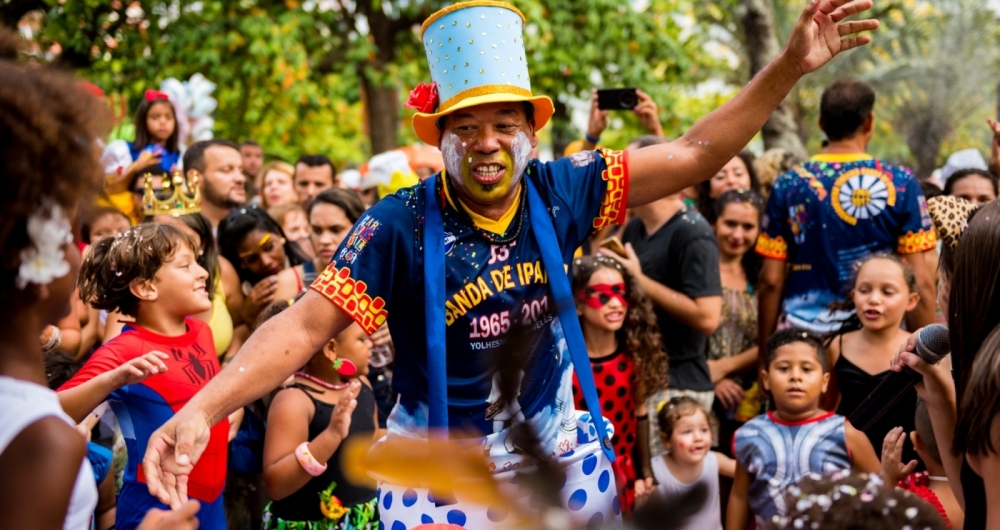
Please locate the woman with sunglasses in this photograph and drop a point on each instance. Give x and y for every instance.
(732, 349)
(628, 360)
(256, 245)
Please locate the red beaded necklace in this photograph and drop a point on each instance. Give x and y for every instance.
(321, 382)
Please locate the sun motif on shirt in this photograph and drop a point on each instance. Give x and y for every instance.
(862, 193)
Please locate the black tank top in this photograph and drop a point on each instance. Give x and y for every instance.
(303, 505)
(855, 385)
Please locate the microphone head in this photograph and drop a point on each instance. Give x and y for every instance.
(933, 343)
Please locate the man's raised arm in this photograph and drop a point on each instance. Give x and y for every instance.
(819, 35)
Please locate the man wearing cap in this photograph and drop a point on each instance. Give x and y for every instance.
(470, 259)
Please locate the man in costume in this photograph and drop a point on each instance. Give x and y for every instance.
(458, 262)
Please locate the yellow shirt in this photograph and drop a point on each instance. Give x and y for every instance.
(221, 322)
(499, 226)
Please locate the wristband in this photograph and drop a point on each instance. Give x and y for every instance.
(308, 461)
(55, 340)
(591, 139)
(644, 417)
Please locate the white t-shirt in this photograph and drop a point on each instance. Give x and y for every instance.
(22, 404)
(709, 517)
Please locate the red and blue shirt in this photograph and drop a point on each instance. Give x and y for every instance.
(143, 407)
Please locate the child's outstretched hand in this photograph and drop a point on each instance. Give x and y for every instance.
(340, 421)
(893, 469)
(140, 368)
(643, 489)
(183, 518)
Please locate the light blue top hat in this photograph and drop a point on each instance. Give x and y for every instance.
(475, 51)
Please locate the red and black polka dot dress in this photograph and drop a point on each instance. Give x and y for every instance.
(614, 376)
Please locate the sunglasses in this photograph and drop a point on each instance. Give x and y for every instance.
(598, 296)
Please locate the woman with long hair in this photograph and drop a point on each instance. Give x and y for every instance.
(257, 247)
(628, 360)
(732, 349)
(964, 410)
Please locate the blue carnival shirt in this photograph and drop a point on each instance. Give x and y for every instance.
(828, 213)
(377, 276)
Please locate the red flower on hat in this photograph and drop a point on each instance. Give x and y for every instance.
(423, 98)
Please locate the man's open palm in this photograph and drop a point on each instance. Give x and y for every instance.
(821, 32)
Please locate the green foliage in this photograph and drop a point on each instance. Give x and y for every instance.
(576, 46)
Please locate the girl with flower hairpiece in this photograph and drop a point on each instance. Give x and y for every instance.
(46, 482)
(156, 144)
(628, 360)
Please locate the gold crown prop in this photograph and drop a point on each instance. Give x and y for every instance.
(184, 196)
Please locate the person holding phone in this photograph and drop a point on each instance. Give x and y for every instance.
(156, 144)
(645, 109)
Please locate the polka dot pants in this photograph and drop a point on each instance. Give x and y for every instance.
(589, 494)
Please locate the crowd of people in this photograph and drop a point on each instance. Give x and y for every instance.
(196, 335)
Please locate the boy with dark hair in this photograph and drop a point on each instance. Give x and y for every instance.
(151, 273)
(775, 450)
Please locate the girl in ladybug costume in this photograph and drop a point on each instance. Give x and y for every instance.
(627, 359)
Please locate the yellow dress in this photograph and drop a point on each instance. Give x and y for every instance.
(220, 322)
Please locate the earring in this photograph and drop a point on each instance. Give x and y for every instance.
(345, 368)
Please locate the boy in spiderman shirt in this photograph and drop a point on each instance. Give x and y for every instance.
(151, 273)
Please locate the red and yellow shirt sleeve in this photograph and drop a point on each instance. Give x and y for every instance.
(615, 201)
(772, 247)
(351, 296)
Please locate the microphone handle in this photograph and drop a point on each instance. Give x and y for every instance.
(885, 395)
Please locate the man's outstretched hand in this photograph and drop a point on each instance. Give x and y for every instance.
(821, 32)
(171, 454)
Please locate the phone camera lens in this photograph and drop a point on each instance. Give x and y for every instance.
(629, 100)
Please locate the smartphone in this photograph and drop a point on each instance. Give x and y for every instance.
(617, 98)
(614, 245)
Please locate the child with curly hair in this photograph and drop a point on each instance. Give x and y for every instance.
(628, 361)
(151, 273)
(48, 131)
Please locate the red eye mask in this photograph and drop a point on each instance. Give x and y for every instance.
(597, 296)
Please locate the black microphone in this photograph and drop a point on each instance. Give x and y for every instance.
(932, 345)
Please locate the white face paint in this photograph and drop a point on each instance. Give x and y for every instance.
(521, 151)
(453, 150)
(458, 160)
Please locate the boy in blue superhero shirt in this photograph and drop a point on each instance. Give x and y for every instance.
(485, 236)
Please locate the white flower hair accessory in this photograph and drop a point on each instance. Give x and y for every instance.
(45, 260)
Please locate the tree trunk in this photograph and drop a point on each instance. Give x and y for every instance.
(381, 104)
(925, 132)
(781, 129)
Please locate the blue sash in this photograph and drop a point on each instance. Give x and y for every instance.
(434, 295)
